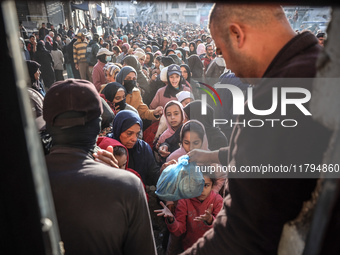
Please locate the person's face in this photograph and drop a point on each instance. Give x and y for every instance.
(157, 64)
(147, 59)
(186, 101)
(130, 136)
(174, 80)
(207, 189)
(142, 60)
(174, 116)
(120, 95)
(321, 41)
(122, 160)
(37, 74)
(191, 141)
(131, 76)
(210, 51)
(110, 78)
(184, 72)
(124, 49)
(33, 40)
(192, 48)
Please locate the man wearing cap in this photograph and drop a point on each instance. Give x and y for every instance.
(91, 52)
(100, 209)
(79, 56)
(98, 75)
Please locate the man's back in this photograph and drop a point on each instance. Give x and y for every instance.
(100, 210)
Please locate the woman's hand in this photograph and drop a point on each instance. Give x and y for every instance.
(207, 217)
(165, 212)
(106, 157)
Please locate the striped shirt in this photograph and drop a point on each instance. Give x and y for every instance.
(79, 51)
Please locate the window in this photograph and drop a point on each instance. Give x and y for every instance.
(190, 6)
(174, 6)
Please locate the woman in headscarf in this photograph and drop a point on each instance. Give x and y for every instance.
(127, 77)
(126, 127)
(48, 43)
(132, 61)
(149, 60)
(58, 59)
(183, 55)
(215, 136)
(196, 67)
(164, 46)
(114, 95)
(34, 73)
(44, 58)
(200, 49)
(192, 48)
(176, 83)
(25, 52)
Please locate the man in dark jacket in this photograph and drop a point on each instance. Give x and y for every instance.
(43, 31)
(252, 220)
(100, 209)
(91, 52)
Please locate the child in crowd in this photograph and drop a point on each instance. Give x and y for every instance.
(120, 152)
(192, 137)
(176, 83)
(185, 97)
(175, 117)
(194, 216)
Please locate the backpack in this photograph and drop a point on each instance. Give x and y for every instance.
(90, 54)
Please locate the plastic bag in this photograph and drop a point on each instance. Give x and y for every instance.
(180, 181)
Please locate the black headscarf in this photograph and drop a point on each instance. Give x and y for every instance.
(111, 89)
(151, 59)
(176, 59)
(168, 52)
(216, 139)
(41, 46)
(188, 71)
(167, 61)
(184, 58)
(194, 51)
(196, 66)
(33, 67)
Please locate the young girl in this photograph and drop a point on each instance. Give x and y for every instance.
(192, 137)
(174, 117)
(176, 83)
(194, 216)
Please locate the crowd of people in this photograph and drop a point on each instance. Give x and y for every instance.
(131, 100)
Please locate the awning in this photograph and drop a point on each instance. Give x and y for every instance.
(85, 6)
